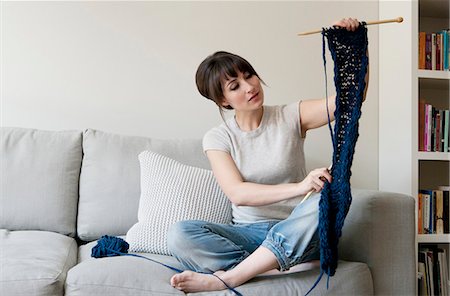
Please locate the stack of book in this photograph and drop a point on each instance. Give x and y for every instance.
(433, 271)
(433, 128)
(434, 50)
(433, 212)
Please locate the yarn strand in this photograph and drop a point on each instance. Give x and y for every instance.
(110, 246)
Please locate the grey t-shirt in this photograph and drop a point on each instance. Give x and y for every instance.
(271, 154)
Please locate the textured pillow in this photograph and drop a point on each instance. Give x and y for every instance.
(171, 192)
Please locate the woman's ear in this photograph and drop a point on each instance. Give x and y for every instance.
(224, 103)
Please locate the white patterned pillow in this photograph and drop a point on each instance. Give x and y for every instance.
(171, 192)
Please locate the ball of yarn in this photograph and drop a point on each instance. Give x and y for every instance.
(108, 246)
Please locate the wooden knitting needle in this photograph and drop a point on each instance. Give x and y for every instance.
(397, 20)
(312, 191)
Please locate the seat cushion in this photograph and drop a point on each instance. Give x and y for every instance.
(39, 175)
(35, 262)
(135, 276)
(110, 178)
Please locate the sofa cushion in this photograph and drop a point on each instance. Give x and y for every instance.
(110, 174)
(172, 192)
(127, 275)
(39, 175)
(35, 262)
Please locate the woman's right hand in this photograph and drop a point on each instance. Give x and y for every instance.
(315, 181)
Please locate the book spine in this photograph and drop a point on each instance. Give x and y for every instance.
(422, 125)
(446, 201)
(419, 214)
(425, 211)
(439, 212)
(427, 127)
(448, 52)
(422, 37)
(445, 48)
(437, 121)
(432, 128)
(438, 51)
(428, 51)
(446, 115)
(433, 51)
(441, 131)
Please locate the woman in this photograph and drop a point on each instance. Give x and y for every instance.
(257, 159)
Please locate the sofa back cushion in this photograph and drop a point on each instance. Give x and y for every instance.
(39, 179)
(110, 178)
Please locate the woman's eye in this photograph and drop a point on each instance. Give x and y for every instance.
(248, 75)
(234, 86)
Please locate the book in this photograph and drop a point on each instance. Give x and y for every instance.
(438, 51)
(443, 272)
(448, 56)
(423, 269)
(422, 125)
(446, 127)
(439, 215)
(430, 270)
(426, 211)
(428, 51)
(427, 127)
(433, 51)
(420, 213)
(441, 131)
(446, 206)
(437, 130)
(422, 37)
(432, 128)
(445, 49)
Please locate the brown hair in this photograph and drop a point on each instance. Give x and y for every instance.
(216, 68)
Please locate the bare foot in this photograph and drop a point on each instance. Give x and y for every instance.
(189, 281)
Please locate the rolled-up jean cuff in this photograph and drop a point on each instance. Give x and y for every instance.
(278, 251)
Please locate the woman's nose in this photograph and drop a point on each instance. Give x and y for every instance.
(250, 87)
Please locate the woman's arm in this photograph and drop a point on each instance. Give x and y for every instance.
(243, 193)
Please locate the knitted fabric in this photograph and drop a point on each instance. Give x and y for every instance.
(348, 50)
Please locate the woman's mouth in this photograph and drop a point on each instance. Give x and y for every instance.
(254, 96)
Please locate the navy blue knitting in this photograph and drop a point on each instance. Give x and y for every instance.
(348, 51)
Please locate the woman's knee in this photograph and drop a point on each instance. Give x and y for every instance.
(179, 235)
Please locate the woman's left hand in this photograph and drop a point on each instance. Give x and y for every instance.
(351, 24)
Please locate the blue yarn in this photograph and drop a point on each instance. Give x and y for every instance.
(110, 246)
(348, 51)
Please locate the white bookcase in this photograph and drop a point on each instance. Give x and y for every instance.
(402, 167)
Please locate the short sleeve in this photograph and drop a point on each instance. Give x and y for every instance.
(291, 113)
(216, 139)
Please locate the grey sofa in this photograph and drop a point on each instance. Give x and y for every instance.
(61, 191)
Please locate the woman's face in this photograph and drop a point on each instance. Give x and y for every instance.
(243, 93)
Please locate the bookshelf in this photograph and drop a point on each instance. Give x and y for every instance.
(429, 169)
(402, 167)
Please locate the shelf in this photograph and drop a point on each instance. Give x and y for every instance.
(445, 156)
(433, 74)
(434, 238)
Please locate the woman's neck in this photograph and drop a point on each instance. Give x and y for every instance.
(248, 121)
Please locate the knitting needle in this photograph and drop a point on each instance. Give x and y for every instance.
(397, 20)
(312, 191)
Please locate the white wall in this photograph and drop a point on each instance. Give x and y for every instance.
(128, 67)
(396, 93)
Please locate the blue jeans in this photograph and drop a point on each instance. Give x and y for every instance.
(207, 247)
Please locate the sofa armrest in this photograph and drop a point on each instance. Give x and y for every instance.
(380, 231)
